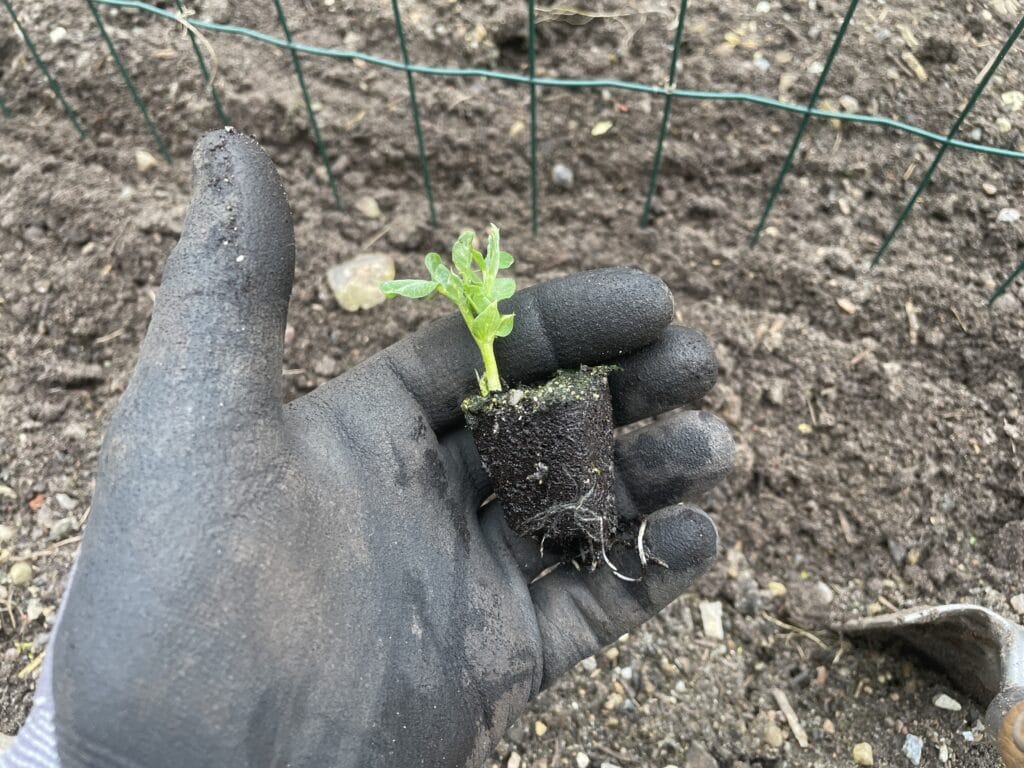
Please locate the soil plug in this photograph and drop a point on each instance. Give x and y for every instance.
(548, 449)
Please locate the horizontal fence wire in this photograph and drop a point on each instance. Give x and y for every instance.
(681, 93)
(788, 162)
(161, 146)
(669, 93)
(207, 77)
(41, 66)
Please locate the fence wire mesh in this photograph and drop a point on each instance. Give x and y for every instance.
(670, 91)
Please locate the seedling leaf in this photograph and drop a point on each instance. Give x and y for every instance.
(475, 288)
(505, 326)
(410, 289)
(486, 323)
(503, 288)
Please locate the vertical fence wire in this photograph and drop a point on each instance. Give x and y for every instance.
(3, 108)
(424, 165)
(311, 116)
(203, 68)
(788, 162)
(128, 82)
(665, 113)
(975, 95)
(531, 49)
(1006, 284)
(41, 65)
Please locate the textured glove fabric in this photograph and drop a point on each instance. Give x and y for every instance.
(321, 583)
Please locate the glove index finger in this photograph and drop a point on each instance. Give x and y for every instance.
(217, 330)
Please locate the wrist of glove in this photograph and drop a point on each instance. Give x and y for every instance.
(322, 583)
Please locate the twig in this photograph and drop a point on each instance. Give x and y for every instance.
(791, 718)
(32, 666)
(49, 550)
(795, 629)
(617, 755)
(188, 27)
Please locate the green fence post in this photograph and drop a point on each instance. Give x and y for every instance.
(952, 133)
(531, 49)
(297, 65)
(424, 166)
(665, 112)
(202, 67)
(788, 162)
(46, 72)
(128, 81)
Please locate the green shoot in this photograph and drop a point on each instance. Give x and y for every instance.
(475, 288)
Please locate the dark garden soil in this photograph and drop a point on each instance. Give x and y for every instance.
(877, 414)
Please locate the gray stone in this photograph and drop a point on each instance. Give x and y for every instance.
(63, 528)
(912, 747)
(711, 618)
(67, 503)
(562, 176)
(698, 757)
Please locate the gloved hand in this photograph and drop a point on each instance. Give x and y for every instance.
(316, 584)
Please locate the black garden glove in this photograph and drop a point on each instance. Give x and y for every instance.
(316, 584)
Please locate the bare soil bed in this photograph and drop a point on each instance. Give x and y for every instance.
(877, 414)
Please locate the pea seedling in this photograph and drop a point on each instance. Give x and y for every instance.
(475, 288)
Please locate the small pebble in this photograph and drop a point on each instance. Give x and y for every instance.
(33, 609)
(711, 618)
(58, 35)
(63, 528)
(863, 754)
(514, 760)
(7, 533)
(828, 727)
(67, 503)
(369, 207)
(356, 282)
(20, 574)
(589, 663)
(582, 761)
(145, 161)
(777, 588)
(1017, 603)
(773, 735)
(912, 747)
(607, 764)
(562, 176)
(540, 728)
(1008, 216)
(698, 757)
(942, 701)
(989, 189)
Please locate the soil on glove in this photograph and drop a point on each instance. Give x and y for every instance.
(877, 414)
(548, 451)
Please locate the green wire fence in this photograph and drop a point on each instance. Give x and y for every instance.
(669, 91)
